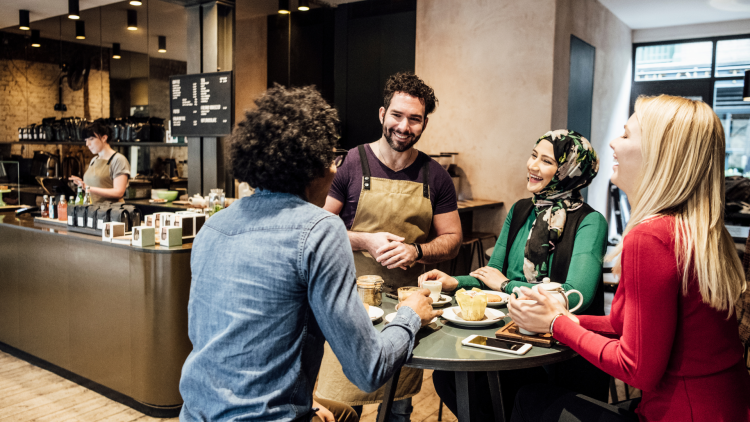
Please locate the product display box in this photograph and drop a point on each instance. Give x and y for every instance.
(170, 236)
(112, 230)
(144, 236)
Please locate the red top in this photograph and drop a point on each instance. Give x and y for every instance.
(684, 355)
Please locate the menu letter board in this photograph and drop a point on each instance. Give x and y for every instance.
(201, 104)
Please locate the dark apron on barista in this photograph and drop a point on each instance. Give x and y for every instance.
(403, 208)
(98, 176)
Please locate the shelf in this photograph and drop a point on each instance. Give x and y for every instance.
(114, 144)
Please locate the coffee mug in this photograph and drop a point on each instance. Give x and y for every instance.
(434, 287)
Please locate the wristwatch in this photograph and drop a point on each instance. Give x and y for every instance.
(503, 285)
(419, 251)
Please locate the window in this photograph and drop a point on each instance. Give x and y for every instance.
(732, 57)
(673, 61)
(735, 117)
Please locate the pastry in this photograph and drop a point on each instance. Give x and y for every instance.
(493, 298)
(473, 304)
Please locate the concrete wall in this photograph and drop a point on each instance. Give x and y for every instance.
(490, 63)
(714, 29)
(596, 25)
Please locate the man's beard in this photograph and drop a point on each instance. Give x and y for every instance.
(395, 145)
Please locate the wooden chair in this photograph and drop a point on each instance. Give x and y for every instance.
(473, 242)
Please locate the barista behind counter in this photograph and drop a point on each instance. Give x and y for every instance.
(109, 171)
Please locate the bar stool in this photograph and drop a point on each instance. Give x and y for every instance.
(473, 241)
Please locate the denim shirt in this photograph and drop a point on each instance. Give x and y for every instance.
(272, 279)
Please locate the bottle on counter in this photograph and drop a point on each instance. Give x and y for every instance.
(79, 196)
(87, 199)
(52, 208)
(62, 209)
(45, 206)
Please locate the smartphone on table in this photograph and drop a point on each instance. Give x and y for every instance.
(496, 344)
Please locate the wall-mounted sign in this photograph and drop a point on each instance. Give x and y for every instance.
(201, 104)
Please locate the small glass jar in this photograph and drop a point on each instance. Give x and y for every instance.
(370, 289)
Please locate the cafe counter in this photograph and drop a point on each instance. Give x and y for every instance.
(110, 317)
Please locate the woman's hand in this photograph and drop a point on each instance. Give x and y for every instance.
(491, 277)
(449, 283)
(77, 180)
(324, 414)
(537, 316)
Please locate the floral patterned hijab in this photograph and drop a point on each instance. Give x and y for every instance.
(577, 165)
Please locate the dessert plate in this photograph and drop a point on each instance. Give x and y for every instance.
(504, 296)
(389, 318)
(375, 313)
(491, 316)
(444, 300)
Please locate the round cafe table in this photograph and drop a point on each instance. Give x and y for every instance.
(438, 347)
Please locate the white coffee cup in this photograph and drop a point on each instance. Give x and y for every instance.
(557, 292)
(528, 302)
(434, 287)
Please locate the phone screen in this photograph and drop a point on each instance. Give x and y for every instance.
(493, 342)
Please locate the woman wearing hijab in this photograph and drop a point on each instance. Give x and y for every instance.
(543, 236)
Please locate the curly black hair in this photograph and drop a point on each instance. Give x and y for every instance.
(286, 142)
(409, 83)
(98, 127)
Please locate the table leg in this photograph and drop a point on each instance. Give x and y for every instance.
(497, 397)
(389, 394)
(462, 396)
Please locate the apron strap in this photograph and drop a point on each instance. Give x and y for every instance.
(426, 179)
(365, 167)
(113, 156)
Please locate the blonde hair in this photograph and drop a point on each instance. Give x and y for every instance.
(682, 175)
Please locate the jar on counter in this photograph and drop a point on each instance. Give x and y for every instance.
(370, 289)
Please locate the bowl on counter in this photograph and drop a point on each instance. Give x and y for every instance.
(169, 195)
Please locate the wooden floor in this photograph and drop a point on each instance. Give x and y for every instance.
(29, 393)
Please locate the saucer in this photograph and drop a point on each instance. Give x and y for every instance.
(504, 296)
(491, 316)
(444, 300)
(375, 313)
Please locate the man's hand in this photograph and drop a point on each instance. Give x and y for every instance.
(396, 255)
(421, 303)
(490, 276)
(324, 414)
(376, 241)
(449, 283)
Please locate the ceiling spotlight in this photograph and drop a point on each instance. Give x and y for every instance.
(136, 2)
(746, 88)
(73, 11)
(303, 5)
(162, 44)
(132, 20)
(36, 39)
(80, 30)
(116, 50)
(283, 7)
(23, 20)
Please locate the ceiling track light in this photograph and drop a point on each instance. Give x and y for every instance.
(80, 30)
(746, 88)
(303, 5)
(36, 39)
(73, 10)
(23, 20)
(283, 7)
(136, 2)
(132, 20)
(162, 44)
(116, 50)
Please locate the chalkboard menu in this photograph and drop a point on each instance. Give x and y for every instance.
(201, 104)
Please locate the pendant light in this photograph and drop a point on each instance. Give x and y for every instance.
(162, 44)
(23, 20)
(73, 11)
(283, 7)
(116, 50)
(136, 2)
(303, 5)
(36, 39)
(80, 30)
(746, 88)
(132, 20)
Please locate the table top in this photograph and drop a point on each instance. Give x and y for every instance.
(475, 204)
(439, 347)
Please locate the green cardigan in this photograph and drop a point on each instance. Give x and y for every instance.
(586, 261)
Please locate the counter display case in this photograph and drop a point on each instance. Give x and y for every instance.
(10, 190)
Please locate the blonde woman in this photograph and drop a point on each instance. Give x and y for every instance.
(673, 329)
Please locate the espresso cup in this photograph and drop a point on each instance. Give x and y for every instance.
(434, 287)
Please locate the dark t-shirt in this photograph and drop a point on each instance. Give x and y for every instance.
(347, 185)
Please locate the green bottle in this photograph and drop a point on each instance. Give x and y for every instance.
(79, 196)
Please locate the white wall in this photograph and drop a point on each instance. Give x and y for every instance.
(715, 29)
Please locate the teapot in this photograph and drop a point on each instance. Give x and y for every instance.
(197, 201)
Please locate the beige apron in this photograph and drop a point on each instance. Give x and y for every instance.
(98, 176)
(404, 209)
